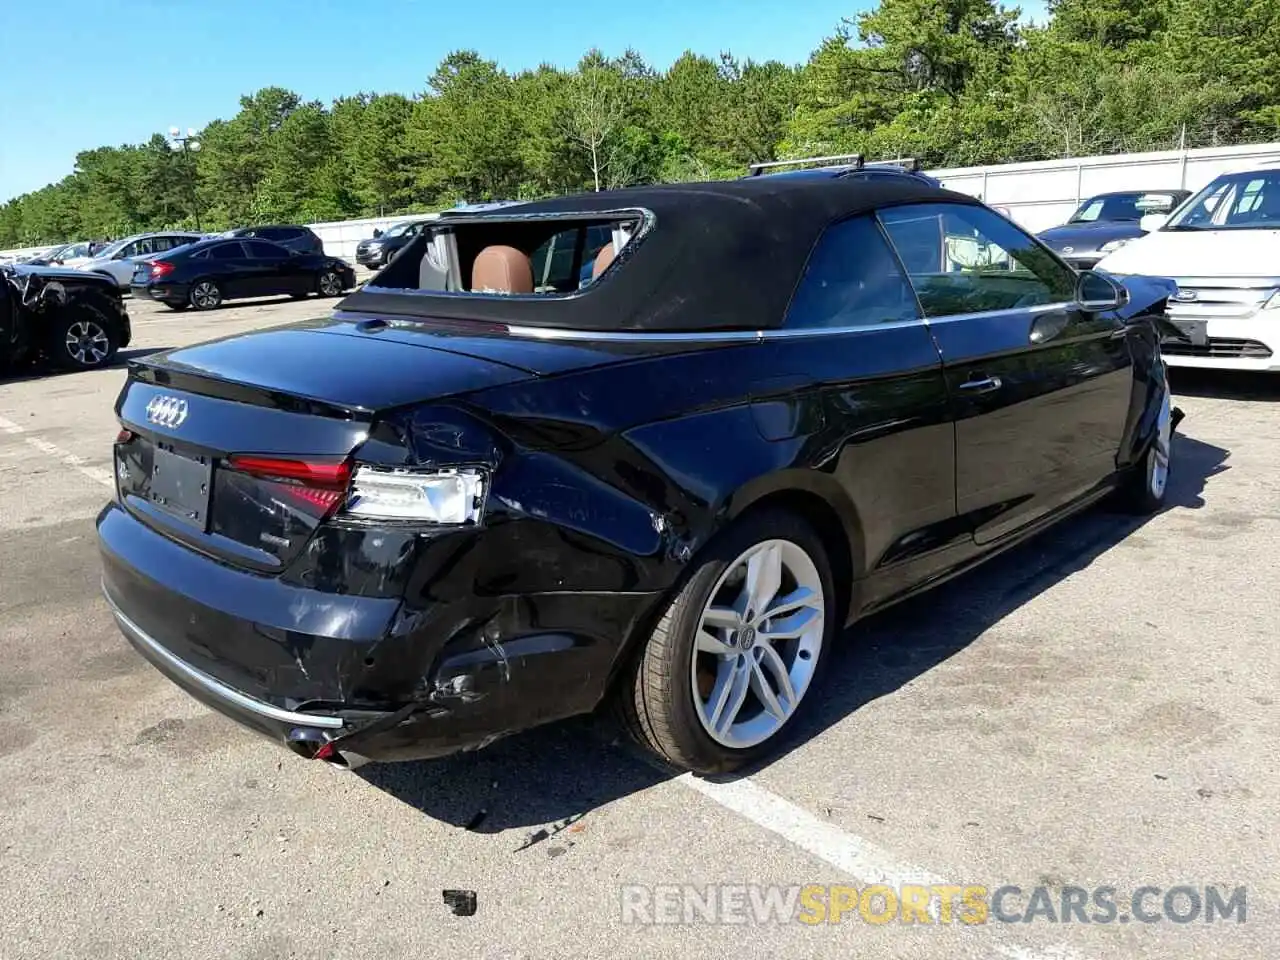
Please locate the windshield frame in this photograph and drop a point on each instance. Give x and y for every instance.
(1131, 197)
(1232, 182)
(398, 229)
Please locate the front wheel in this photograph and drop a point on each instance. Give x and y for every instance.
(329, 283)
(82, 340)
(1146, 488)
(734, 655)
(205, 295)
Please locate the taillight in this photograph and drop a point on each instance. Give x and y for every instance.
(320, 485)
(160, 269)
(125, 435)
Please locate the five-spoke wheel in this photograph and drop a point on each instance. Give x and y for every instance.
(735, 653)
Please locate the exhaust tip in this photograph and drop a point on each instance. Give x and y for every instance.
(311, 744)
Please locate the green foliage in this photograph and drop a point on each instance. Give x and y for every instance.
(952, 82)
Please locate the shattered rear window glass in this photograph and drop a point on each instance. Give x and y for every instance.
(548, 256)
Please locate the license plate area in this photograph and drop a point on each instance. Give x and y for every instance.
(1196, 331)
(179, 485)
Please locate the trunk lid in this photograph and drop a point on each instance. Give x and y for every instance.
(340, 368)
(238, 447)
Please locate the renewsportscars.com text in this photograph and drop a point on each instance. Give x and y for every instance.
(969, 904)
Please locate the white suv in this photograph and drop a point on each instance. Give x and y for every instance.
(1222, 246)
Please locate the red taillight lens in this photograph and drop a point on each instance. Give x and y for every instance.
(317, 473)
(319, 485)
(160, 269)
(125, 435)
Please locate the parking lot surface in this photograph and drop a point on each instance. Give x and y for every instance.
(1095, 708)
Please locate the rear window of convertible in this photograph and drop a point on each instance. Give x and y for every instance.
(539, 256)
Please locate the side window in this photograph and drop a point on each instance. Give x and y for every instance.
(261, 250)
(965, 259)
(851, 280)
(226, 251)
(144, 248)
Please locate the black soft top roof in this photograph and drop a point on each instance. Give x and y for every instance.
(724, 255)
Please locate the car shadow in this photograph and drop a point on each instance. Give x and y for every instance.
(544, 780)
(1224, 384)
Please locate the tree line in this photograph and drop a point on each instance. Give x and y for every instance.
(951, 82)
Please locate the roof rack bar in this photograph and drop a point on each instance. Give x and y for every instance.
(851, 158)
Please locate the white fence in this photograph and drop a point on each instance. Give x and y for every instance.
(1038, 195)
(1043, 194)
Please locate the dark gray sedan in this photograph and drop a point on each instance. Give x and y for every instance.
(1106, 222)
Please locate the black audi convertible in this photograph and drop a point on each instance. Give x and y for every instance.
(504, 484)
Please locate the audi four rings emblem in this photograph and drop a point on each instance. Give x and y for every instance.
(167, 411)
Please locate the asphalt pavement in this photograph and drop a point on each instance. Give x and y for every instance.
(1097, 708)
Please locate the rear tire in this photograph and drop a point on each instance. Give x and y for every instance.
(329, 283)
(1145, 489)
(710, 690)
(82, 339)
(205, 295)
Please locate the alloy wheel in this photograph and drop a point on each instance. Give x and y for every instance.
(205, 295)
(758, 643)
(87, 343)
(330, 284)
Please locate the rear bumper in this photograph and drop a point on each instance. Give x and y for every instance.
(258, 715)
(305, 667)
(162, 293)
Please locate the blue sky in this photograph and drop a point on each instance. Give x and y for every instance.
(119, 70)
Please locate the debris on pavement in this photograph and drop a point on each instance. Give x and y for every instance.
(461, 902)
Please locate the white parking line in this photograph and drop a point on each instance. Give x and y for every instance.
(77, 463)
(860, 859)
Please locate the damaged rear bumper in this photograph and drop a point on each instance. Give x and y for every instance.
(338, 675)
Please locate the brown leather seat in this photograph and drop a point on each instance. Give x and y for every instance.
(603, 259)
(499, 269)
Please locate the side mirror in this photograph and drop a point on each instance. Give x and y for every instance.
(376, 233)
(1152, 222)
(1096, 293)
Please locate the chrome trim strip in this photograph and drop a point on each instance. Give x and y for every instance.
(216, 687)
(725, 336)
(563, 333)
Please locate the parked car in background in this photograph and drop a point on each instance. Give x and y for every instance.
(74, 320)
(64, 255)
(378, 250)
(291, 237)
(206, 273)
(118, 259)
(1106, 222)
(1222, 246)
(482, 497)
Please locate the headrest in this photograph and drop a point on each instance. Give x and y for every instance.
(500, 269)
(603, 259)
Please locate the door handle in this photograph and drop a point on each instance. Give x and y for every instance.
(985, 385)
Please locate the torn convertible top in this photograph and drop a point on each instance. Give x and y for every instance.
(711, 256)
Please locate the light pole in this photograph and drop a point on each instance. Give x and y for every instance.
(188, 145)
